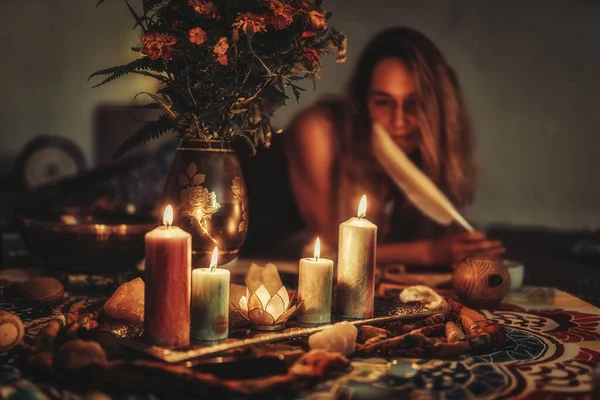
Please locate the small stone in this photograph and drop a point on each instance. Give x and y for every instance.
(127, 303)
(340, 338)
(11, 330)
(78, 354)
(42, 291)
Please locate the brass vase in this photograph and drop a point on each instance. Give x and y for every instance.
(206, 188)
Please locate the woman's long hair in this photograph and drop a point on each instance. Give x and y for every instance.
(445, 151)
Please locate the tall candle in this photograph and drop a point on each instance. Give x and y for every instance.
(315, 278)
(167, 284)
(210, 302)
(356, 265)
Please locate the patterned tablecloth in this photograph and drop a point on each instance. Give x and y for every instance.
(553, 347)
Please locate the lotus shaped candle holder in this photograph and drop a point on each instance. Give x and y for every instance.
(264, 301)
(266, 311)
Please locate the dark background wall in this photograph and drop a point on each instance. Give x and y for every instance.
(529, 71)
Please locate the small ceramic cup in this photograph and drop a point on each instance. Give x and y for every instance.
(516, 271)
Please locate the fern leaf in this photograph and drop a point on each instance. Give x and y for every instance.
(151, 130)
(161, 103)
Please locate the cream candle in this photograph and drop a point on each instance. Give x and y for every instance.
(356, 265)
(315, 278)
(210, 302)
(167, 284)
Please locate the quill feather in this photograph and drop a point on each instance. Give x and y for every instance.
(417, 187)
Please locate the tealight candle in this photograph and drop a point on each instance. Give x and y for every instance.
(356, 265)
(167, 284)
(210, 302)
(315, 278)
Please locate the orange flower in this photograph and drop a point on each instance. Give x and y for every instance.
(317, 19)
(205, 8)
(197, 36)
(308, 34)
(248, 23)
(221, 47)
(280, 15)
(312, 56)
(157, 45)
(222, 59)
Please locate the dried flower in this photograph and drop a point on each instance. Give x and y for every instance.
(308, 34)
(157, 45)
(249, 23)
(197, 36)
(205, 8)
(222, 59)
(338, 41)
(279, 15)
(317, 19)
(312, 56)
(221, 46)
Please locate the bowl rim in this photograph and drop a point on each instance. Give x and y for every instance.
(93, 229)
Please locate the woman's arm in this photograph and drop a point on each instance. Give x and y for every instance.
(444, 251)
(311, 151)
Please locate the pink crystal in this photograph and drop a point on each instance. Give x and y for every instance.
(340, 338)
(127, 303)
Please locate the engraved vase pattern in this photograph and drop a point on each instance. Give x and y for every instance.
(206, 188)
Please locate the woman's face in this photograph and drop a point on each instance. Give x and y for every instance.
(392, 102)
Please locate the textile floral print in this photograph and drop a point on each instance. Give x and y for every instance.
(197, 203)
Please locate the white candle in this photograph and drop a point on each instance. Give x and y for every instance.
(210, 302)
(167, 284)
(356, 265)
(315, 278)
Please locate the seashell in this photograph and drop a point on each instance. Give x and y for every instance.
(78, 354)
(11, 330)
(481, 282)
(42, 291)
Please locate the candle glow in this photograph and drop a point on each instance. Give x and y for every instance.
(317, 249)
(168, 216)
(362, 207)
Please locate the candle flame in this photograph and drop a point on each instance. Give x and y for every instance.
(168, 216)
(362, 207)
(317, 249)
(213, 261)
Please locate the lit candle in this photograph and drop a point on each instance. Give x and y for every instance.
(210, 302)
(356, 265)
(167, 284)
(315, 278)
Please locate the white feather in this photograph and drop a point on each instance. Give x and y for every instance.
(417, 186)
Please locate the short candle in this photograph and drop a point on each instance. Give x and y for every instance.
(315, 279)
(210, 302)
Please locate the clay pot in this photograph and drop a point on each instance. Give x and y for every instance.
(481, 282)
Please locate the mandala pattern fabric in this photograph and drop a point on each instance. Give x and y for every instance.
(552, 349)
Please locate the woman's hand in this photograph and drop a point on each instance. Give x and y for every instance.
(456, 247)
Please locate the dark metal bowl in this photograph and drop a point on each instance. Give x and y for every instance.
(75, 240)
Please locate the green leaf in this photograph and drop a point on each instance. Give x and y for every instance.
(151, 130)
(161, 102)
(138, 20)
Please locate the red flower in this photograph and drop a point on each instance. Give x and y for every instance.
(158, 45)
(317, 19)
(308, 34)
(197, 36)
(222, 46)
(222, 59)
(248, 23)
(312, 56)
(205, 8)
(279, 15)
